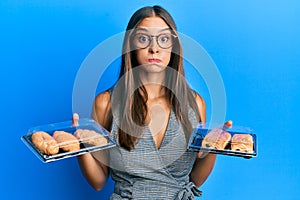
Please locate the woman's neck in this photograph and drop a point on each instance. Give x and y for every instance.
(154, 91)
(153, 84)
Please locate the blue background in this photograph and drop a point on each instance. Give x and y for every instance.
(254, 43)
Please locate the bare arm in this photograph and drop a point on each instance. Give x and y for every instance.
(203, 164)
(93, 169)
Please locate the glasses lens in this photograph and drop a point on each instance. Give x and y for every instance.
(141, 40)
(165, 40)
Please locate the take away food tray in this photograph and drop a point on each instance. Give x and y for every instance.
(67, 126)
(199, 133)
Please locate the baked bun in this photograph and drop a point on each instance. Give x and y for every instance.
(216, 139)
(242, 142)
(90, 137)
(66, 141)
(45, 143)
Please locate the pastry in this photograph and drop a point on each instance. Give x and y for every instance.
(90, 137)
(66, 141)
(216, 139)
(242, 142)
(45, 143)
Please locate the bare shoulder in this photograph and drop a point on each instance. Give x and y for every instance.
(102, 100)
(199, 100)
(102, 109)
(201, 106)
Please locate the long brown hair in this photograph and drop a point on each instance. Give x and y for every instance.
(129, 98)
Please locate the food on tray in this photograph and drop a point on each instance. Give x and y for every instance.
(242, 142)
(45, 143)
(216, 139)
(90, 137)
(66, 141)
(57, 141)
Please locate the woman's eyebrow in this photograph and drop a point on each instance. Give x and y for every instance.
(141, 29)
(147, 30)
(164, 29)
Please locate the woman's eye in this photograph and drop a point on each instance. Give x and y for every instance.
(164, 38)
(143, 38)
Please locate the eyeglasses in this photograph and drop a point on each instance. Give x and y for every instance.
(143, 40)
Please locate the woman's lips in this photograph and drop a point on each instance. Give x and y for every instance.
(154, 60)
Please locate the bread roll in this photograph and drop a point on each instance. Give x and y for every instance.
(90, 137)
(216, 139)
(242, 142)
(66, 141)
(45, 143)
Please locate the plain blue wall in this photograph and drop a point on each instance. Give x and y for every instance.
(255, 45)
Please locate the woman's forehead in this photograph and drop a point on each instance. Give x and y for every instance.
(152, 30)
(153, 23)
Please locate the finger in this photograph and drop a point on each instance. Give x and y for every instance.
(75, 119)
(228, 124)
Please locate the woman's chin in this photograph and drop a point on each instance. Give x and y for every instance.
(153, 68)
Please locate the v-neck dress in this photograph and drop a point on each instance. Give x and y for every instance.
(147, 172)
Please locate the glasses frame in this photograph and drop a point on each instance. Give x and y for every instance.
(156, 38)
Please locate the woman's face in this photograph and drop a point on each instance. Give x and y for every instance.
(152, 55)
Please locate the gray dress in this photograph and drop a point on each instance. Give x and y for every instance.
(147, 172)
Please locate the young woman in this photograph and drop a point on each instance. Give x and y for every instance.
(150, 113)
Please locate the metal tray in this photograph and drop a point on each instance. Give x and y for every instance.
(66, 126)
(198, 134)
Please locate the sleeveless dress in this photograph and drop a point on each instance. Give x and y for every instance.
(147, 172)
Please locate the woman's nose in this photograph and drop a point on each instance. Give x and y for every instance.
(153, 48)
